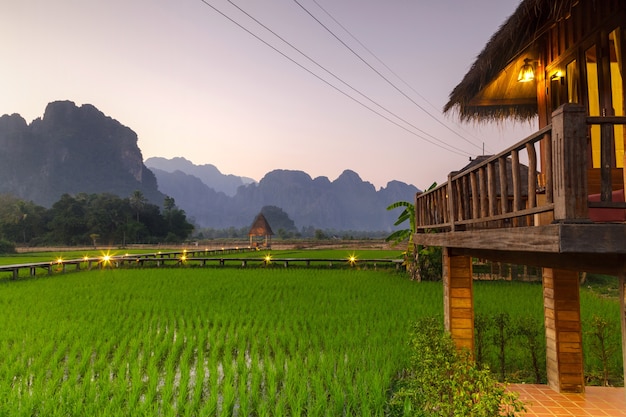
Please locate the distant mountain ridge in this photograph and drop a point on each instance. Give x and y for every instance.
(208, 173)
(80, 150)
(347, 203)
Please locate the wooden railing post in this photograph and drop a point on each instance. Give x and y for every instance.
(450, 195)
(504, 191)
(569, 163)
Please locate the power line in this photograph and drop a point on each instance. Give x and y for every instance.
(436, 142)
(382, 76)
(398, 77)
(342, 81)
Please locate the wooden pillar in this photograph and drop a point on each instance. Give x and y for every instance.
(458, 299)
(569, 163)
(564, 350)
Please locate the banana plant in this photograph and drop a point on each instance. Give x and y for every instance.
(401, 235)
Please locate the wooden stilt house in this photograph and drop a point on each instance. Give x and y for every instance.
(561, 63)
(260, 228)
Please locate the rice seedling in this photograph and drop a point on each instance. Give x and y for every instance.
(208, 341)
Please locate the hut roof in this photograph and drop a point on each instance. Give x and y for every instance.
(490, 91)
(260, 227)
(509, 174)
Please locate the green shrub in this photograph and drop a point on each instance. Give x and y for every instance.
(7, 247)
(602, 349)
(443, 381)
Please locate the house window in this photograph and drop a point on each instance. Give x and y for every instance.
(593, 101)
(617, 91)
(571, 77)
(605, 94)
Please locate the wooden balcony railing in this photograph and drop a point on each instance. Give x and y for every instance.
(501, 191)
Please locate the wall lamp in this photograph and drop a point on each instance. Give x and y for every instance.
(527, 72)
(557, 75)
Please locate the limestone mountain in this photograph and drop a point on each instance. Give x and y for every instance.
(348, 203)
(80, 150)
(207, 173)
(71, 150)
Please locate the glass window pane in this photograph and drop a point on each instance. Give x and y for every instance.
(571, 75)
(593, 98)
(617, 93)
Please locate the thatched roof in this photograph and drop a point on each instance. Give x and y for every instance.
(260, 227)
(490, 91)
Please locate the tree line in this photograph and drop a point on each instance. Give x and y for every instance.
(92, 219)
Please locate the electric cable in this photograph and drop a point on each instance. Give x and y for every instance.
(437, 142)
(381, 75)
(342, 81)
(395, 74)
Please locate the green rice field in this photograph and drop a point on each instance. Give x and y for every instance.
(183, 341)
(221, 341)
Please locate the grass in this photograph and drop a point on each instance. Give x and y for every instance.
(231, 341)
(178, 341)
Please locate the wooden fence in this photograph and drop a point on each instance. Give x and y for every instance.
(500, 191)
(198, 258)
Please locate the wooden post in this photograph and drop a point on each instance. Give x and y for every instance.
(564, 350)
(451, 203)
(569, 163)
(484, 208)
(532, 175)
(491, 187)
(458, 300)
(547, 170)
(475, 195)
(504, 192)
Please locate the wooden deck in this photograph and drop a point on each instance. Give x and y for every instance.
(585, 247)
(500, 209)
(543, 401)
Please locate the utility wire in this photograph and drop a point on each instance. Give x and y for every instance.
(342, 81)
(437, 143)
(398, 77)
(382, 76)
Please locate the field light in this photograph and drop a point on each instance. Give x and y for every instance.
(59, 260)
(183, 257)
(106, 258)
(267, 259)
(352, 259)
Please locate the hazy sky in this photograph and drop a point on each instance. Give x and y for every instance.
(192, 83)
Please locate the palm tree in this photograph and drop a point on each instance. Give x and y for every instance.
(137, 202)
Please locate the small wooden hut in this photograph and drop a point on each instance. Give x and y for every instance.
(260, 228)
